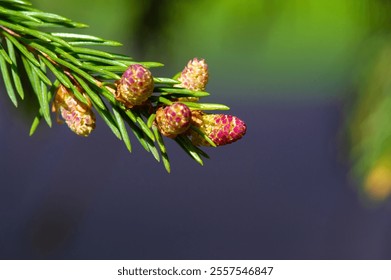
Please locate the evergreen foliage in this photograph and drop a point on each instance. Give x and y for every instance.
(71, 63)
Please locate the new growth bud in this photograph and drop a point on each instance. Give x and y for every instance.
(78, 116)
(221, 129)
(194, 77)
(135, 86)
(173, 120)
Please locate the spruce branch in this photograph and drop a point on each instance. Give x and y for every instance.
(69, 77)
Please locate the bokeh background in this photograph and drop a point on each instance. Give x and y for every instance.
(309, 180)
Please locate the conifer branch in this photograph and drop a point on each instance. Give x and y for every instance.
(121, 90)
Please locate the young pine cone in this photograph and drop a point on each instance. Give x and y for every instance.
(221, 129)
(135, 86)
(173, 120)
(194, 77)
(78, 116)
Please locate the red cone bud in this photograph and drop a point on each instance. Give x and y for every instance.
(221, 129)
(135, 86)
(78, 116)
(173, 120)
(194, 77)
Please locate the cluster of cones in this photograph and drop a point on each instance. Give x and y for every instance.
(134, 89)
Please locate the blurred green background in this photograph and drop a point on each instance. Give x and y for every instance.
(286, 49)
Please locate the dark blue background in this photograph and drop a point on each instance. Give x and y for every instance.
(282, 192)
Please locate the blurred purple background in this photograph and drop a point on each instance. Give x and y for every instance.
(279, 193)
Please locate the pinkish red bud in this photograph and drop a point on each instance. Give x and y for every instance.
(221, 129)
(173, 120)
(135, 86)
(194, 76)
(78, 116)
